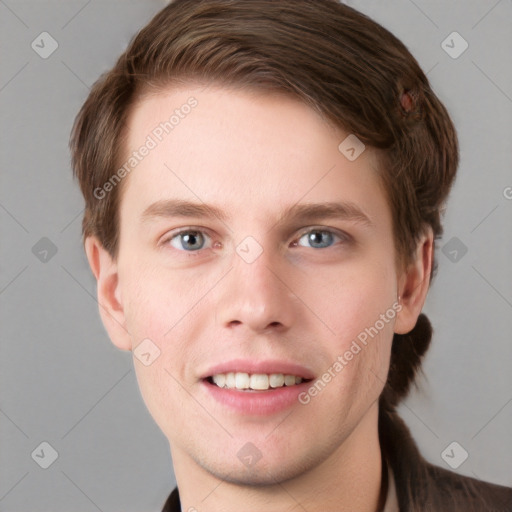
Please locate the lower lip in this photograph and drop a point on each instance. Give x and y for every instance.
(257, 402)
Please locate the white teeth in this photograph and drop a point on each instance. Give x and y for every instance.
(230, 381)
(289, 380)
(256, 381)
(242, 380)
(220, 380)
(259, 381)
(276, 380)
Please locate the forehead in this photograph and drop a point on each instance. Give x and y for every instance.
(251, 118)
(240, 150)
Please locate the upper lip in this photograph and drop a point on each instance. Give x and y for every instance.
(252, 366)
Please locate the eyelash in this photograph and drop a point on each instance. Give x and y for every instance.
(340, 235)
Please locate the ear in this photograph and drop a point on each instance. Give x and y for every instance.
(414, 283)
(105, 271)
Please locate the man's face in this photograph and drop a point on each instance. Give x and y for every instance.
(267, 287)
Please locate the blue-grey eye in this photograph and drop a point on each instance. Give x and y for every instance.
(317, 238)
(188, 241)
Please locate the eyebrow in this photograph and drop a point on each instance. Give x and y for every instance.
(299, 212)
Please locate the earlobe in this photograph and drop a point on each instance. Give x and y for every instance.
(414, 284)
(105, 270)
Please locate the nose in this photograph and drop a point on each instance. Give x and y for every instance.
(257, 296)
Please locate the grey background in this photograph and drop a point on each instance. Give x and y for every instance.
(61, 379)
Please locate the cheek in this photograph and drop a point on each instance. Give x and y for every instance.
(350, 299)
(161, 314)
(152, 315)
(161, 391)
(158, 301)
(357, 312)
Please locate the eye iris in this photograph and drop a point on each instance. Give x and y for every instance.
(192, 240)
(316, 238)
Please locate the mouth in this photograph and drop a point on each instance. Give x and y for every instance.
(256, 388)
(242, 381)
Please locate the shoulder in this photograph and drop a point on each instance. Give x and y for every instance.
(451, 491)
(425, 487)
(173, 502)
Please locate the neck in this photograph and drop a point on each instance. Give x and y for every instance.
(348, 480)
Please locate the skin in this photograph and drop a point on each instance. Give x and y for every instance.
(253, 155)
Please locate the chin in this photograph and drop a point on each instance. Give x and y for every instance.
(258, 477)
(261, 474)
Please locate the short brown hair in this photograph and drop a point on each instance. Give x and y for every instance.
(352, 71)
